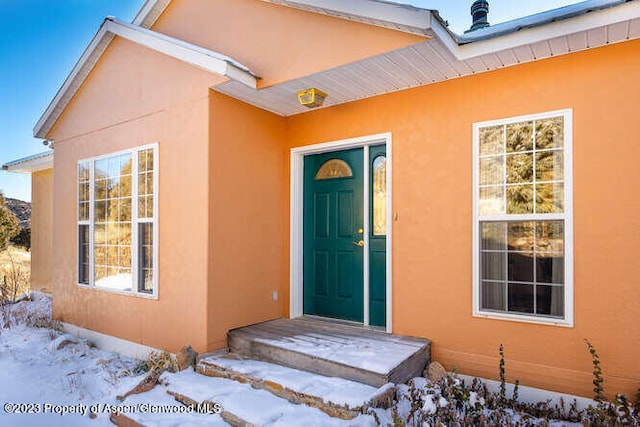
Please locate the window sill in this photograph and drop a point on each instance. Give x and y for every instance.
(117, 292)
(563, 323)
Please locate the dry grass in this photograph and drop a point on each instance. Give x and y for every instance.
(15, 270)
(20, 257)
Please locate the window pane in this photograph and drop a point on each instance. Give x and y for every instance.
(521, 298)
(100, 189)
(550, 268)
(101, 169)
(145, 256)
(550, 236)
(142, 184)
(520, 199)
(520, 266)
(83, 254)
(550, 198)
(125, 186)
(521, 236)
(492, 170)
(550, 165)
(491, 140)
(493, 265)
(112, 232)
(83, 171)
(491, 201)
(380, 196)
(493, 235)
(550, 300)
(334, 168)
(550, 133)
(520, 137)
(492, 296)
(520, 168)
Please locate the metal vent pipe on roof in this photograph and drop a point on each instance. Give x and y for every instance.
(480, 13)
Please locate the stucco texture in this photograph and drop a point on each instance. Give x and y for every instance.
(432, 196)
(41, 230)
(224, 192)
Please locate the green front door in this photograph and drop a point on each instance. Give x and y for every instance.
(333, 235)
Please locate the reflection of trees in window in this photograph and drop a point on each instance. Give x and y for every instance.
(112, 222)
(107, 186)
(521, 172)
(380, 196)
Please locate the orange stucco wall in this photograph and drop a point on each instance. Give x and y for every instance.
(247, 191)
(224, 190)
(432, 195)
(41, 229)
(133, 97)
(277, 43)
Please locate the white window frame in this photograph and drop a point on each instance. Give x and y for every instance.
(134, 222)
(567, 217)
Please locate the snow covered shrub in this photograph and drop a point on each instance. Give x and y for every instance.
(161, 361)
(618, 412)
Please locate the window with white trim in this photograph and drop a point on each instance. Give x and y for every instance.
(117, 229)
(523, 221)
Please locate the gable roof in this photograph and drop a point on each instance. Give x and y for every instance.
(444, 56)
(200, 57)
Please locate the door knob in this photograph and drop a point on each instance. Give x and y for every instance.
(359, 243)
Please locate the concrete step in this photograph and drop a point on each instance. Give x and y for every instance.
(336, 397)
(334, 350)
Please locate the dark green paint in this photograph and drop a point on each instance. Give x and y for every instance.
(377, 255)
(333, 264)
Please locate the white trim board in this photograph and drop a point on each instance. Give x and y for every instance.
(110, 343)
(296, 278)
(205, 59)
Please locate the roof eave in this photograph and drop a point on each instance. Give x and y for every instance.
(559, 22)
(395, 16)
(30, 164)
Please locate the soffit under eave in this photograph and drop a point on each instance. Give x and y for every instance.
(430, 62)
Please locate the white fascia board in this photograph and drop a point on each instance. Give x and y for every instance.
(526, 31)
(191, 54)
(150, 12)
(396, 16)
(186, 52)
(31, 164)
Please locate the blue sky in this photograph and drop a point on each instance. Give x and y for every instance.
(41, 40)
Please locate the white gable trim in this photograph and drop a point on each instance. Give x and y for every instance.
(150, 12)
(202, 58)
(396, 16)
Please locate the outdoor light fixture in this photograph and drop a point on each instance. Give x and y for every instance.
(311, 98)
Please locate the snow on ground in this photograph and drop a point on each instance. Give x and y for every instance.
(335, 390)
(43, 380)
(363, 352)
(37, 377)
(49, 378)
